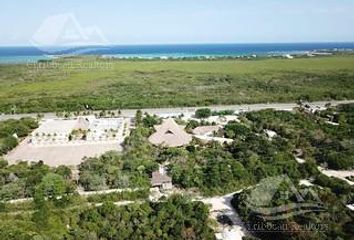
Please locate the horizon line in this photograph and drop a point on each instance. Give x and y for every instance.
(182, 44)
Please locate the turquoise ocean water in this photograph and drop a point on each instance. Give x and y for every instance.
(31, 54)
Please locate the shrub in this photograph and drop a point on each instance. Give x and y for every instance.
(203, 113)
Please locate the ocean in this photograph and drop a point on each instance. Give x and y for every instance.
(10, 55)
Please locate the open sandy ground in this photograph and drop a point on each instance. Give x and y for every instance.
(55, 155)
(222, 205)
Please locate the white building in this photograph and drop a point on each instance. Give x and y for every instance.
(80, 130)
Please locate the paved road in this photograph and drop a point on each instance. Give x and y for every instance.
(190, 110)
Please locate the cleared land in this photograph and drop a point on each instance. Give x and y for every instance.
(69, 155)
(71, 84)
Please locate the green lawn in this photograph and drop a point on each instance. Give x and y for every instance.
(136, 84)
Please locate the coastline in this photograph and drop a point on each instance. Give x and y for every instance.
(29, 54)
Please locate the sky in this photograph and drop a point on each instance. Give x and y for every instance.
(23, 22)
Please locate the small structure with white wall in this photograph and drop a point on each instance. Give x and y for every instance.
(161, 180)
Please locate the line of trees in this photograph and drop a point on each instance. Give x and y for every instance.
(21, 180)
(12, 130)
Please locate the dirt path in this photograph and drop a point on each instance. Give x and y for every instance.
(222, 206)
(338, 174)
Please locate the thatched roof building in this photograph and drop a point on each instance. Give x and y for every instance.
(170, 134)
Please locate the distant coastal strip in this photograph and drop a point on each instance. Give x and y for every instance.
(13, 55)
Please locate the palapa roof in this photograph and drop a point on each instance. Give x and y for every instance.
(82, 123)
(202, 130)
(158, 179)
(170, 134)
